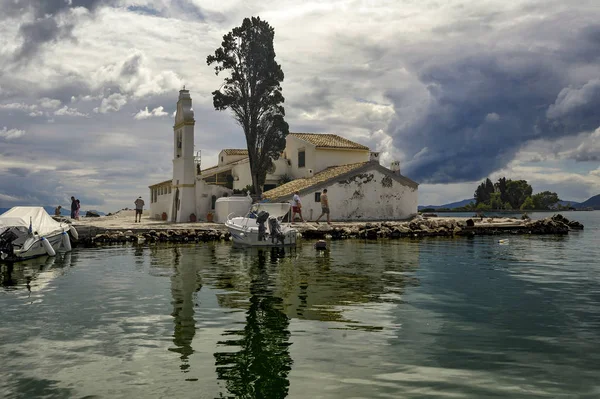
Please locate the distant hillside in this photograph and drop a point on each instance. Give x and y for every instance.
(574, 204)
(451, 205)
(63, 211)
(593, 202)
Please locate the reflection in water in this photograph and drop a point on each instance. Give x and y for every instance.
(185, 284)
(260, 368)
(28, 273)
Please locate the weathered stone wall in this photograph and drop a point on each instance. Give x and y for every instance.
(371, 195)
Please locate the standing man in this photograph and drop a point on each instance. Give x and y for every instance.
(139, 208)
(324, 206)
(73, 207)
(296, 206)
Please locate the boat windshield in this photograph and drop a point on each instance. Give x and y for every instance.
(279, 209)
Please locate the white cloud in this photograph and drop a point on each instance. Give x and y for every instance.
(492, 117)
(114, 102)
(18, 106)
(145, 114)
(66, 111)
(10, 134)
(49, 103)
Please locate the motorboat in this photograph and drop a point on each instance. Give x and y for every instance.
(27, 232)
(262, 226)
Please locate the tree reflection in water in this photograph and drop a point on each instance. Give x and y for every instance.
(260, 369)
(185, 284)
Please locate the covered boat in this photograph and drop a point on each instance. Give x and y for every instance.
(262, 226)
(28, 231)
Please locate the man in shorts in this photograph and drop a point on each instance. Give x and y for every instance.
(324, 206)
(296, 206)
(139, 208)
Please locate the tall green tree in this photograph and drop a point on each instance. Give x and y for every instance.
(500, 187)
(484, 192)
(545, 200)
(252, 91)
(527, 204)
(517, 192)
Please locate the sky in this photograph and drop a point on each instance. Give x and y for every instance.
(457, 91)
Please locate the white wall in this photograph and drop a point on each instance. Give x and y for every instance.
(325, 158)
(163, 204)
(227, 159)
(242, 171)
(371, 195)
(204, 193)
(292, 146)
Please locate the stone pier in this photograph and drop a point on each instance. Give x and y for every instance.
(121, 228)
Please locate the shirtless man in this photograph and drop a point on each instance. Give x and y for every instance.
(324, 207)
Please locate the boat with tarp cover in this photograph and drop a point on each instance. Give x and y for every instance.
(28, 231)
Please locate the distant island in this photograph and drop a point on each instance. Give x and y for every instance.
(511, 195)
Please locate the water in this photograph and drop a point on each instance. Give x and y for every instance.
(451, 318)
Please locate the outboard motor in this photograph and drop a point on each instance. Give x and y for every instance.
(275, 228)
(261, 219)
(6, 239)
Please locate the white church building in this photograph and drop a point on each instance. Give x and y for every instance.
(358, 187)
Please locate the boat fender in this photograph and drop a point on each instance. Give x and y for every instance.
(66, 241)
(74, 232)
(48, 247)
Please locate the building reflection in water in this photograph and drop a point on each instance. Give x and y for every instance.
(185, 284)
(259, 369)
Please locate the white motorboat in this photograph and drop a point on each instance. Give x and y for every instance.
(27, 232)
(262, 226)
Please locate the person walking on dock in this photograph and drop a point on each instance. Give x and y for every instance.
(139, 209)
(73, 207)
(324, 207)
(77, 208)
(296, 206)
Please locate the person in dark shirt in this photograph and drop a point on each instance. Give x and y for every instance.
(73, 207)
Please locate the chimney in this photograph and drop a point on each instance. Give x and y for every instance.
(374, 157)
(395, 167)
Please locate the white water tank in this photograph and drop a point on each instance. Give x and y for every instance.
(237, 205)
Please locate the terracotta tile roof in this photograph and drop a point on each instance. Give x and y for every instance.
(286, 190)
(235, 151)
(329, 141)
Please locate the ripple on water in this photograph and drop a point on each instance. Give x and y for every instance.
(413, 319)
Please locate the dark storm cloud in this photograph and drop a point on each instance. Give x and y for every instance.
(47, 25)
(478, 109)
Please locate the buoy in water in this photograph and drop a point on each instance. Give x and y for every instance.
(48, 247)
(66, 241)
(321, 245)
(503, 241)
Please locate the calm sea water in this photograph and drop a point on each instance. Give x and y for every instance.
(435, 318)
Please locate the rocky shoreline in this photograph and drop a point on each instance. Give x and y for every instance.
(418, 227)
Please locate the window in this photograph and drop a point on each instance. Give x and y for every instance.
(221, 159)
(169, 189)
(301, 158)
(317, 197)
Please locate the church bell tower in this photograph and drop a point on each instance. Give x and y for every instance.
(184, 172)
